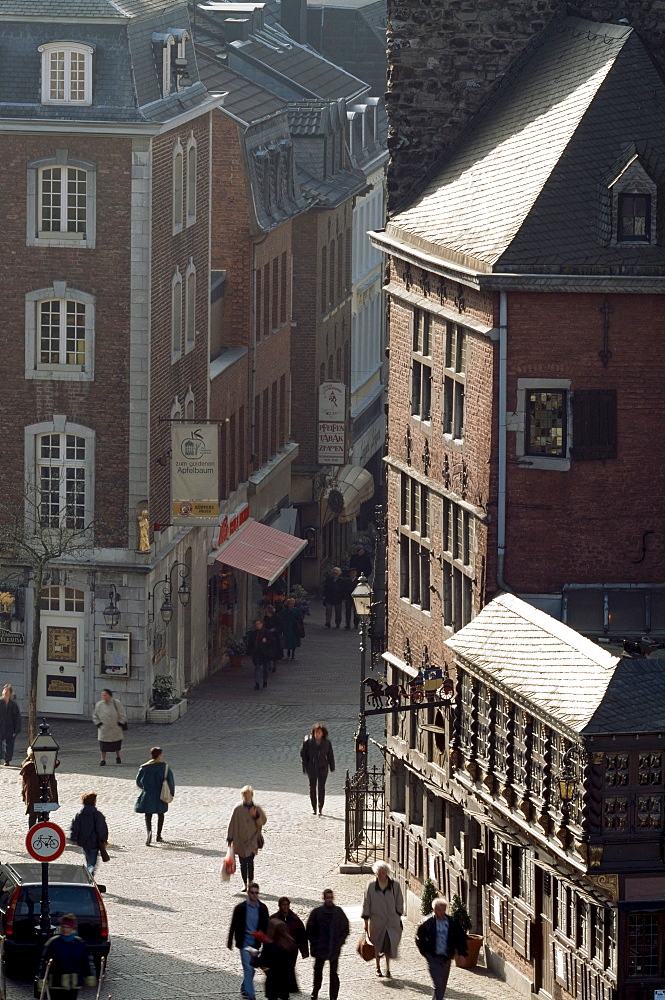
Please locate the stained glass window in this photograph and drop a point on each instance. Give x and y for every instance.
(546, 423)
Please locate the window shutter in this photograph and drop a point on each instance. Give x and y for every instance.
(594, 424)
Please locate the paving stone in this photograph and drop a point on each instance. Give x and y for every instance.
(168, 911)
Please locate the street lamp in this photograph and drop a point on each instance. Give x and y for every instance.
(45, 757)
(184, 593)
(111, 612)
(567, 781)
(362, 601)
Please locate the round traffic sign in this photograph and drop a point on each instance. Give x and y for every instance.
(45, 842)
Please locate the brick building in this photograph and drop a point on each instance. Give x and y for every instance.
(106, 148)
(526, 275)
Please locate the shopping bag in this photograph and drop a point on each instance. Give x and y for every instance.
(365, 949)
(166, 794)
(228, 866)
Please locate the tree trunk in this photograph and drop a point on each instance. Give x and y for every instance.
(34, 653)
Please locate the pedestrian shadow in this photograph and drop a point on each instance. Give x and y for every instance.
(191, 849)
(140, 904)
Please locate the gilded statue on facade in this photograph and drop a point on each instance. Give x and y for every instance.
(144, 538)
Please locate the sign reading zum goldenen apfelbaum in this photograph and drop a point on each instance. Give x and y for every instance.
(194, 474)
(332, 423)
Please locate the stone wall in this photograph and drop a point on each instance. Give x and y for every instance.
(447, 56)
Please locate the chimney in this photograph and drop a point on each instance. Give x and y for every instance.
(236, 29)
(294, 19)
(444, 60)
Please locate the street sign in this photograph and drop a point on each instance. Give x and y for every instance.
(43, 807)
(45, 842)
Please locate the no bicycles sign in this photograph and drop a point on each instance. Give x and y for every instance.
(45, 842)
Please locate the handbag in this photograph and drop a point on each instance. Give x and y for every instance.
(300, 628)
(228, 865)
(166, 795)
(365, 949)
(259, 840)
(103, 853)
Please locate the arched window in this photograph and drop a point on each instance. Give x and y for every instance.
(176, 316)
(191, 180)
(61, 202)
(178, 166)
(60, 463)
(190, 306)
(59, 333)
(66, 73)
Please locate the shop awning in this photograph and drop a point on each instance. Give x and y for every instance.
(261, 551)
(352, 486)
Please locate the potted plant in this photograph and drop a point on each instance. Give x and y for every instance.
(459, 912)
(235, 649)
(165, 706)
(299, 595)
(430, 892)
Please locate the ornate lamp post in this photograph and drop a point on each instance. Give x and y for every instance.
(184, 593)
(45, 756)
(362, 600)
(567, 781)
(111, 611)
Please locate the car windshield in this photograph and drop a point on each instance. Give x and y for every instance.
(63, 899)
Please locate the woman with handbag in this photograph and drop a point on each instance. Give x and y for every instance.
(383, 907)
(157, 784)
(89, 831)
(294, 627)
(111, 721)
(245, 832)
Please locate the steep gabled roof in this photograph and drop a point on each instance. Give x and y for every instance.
(634, 701)
(246, 100)
(538, 657)
(74, 10)
(523, 184)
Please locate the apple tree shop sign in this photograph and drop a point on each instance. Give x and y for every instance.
(194, 474)
(332, 423)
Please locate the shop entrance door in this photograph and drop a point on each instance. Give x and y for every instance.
(60, 683)
(544, 958)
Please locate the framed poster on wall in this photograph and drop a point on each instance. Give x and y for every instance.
(114, 653)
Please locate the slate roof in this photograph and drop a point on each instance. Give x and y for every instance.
(522, 186)
(331, 191)
(74, 10)
(245, 99)
(634, 701)
(534, 655)
(300, 70)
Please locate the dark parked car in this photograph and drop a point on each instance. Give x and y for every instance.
(71, 890)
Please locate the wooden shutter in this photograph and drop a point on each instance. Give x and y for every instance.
(594, 424)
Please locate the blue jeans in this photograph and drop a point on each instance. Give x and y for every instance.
(248, 971)
(439, 970)
(91, 859)
(262, 665)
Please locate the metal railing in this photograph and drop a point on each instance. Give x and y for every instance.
(364, 823)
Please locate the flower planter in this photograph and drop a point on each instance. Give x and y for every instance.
(164, 716)
(182, 705)
(235, 660)
(474, 943)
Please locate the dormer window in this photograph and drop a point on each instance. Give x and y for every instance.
(634, 218)
(66, 73)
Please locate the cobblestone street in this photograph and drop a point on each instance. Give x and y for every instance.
(168, 911)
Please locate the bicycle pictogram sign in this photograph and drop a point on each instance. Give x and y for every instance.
(45, 842)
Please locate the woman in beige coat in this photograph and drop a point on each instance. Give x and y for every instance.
(247, 821)
(383, 906)
(111, 721)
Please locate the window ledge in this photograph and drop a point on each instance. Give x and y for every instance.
(61, 240)
(542, 462)
(61, 373)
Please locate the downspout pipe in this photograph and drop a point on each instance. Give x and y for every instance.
(502, 443)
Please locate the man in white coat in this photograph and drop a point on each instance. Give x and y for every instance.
(383, 906)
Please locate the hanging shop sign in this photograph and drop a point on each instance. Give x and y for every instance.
(194, 474)
(9, 638)
(231, 523)
(332, 424)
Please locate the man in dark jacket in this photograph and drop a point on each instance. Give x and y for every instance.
(361, 562)
(349, 582)
(438, 938)
(263, 649)
(89, 830)
(333, 595)
(317, 758)
(249, 916)
(10, 723)
(296, 929)
(327, 930)
(71, 962)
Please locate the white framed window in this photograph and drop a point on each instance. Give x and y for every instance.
(178, 168)
(59, 333)
(66, 73)
(454, 381)
(189, 404)
(60, 461)
(190, 306)
(176, 316)
(179, 64)
(458, 564)
(163, 43)
(61, 201)
(415, 543)
(421, 366)
(191, 180)
(543, 423)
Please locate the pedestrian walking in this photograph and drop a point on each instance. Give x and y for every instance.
(274, 627)
(249, 916)
(333, 595)
(437, 939)
(263, 650)
(276, 960)
(10, 723)
(89, 830)
(111, 721)
(150, 779)
(383, 907)
(293, 625)
(361, 562)
(71, 962)
(245, 832)
(296, 929)
(317, 758)
(327, 930)
(31, 787)
(349, 582)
